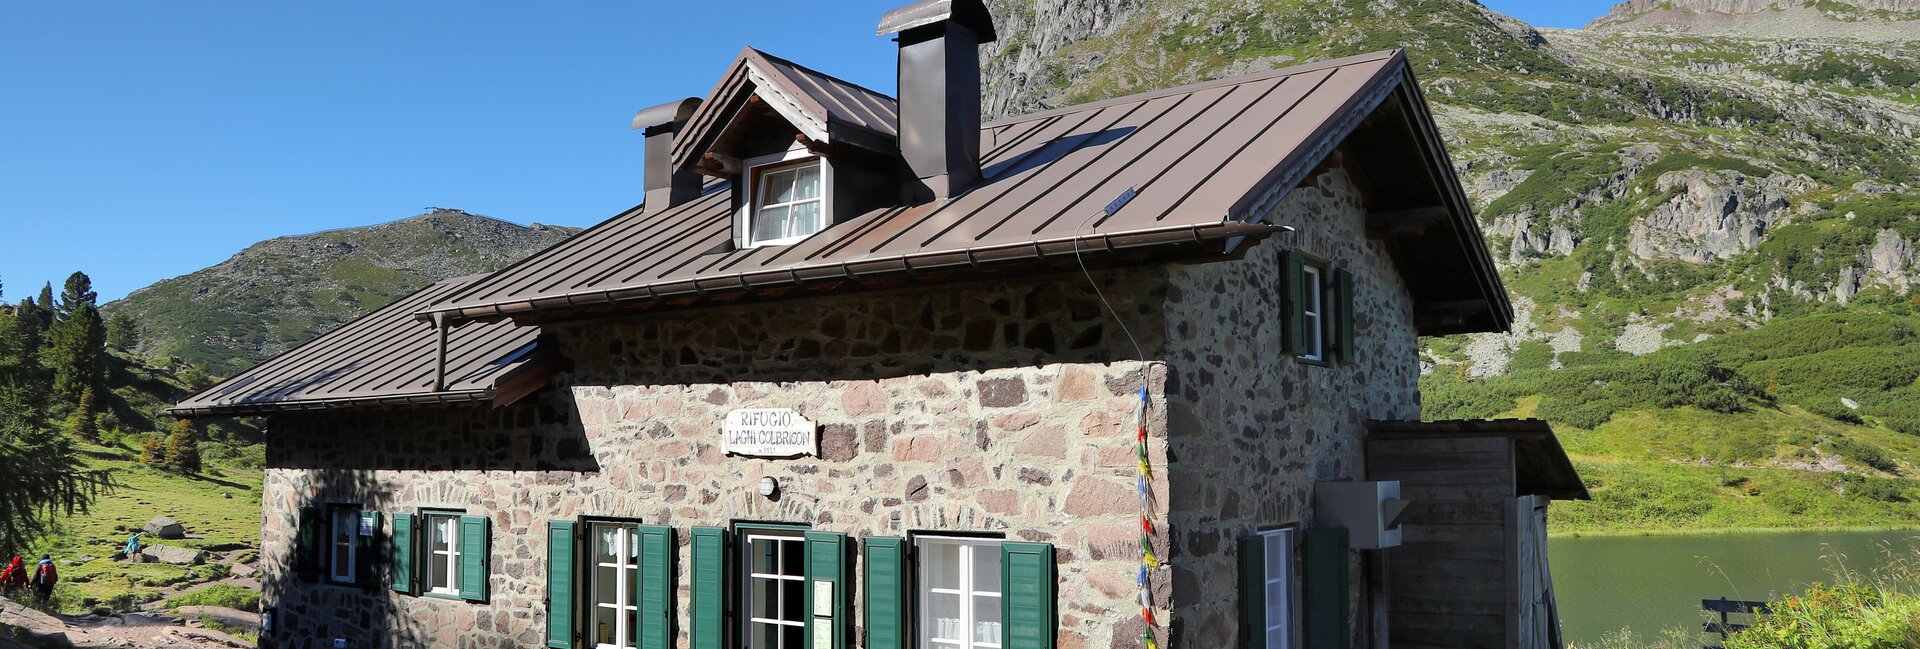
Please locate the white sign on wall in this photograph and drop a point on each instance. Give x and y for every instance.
(769, 432)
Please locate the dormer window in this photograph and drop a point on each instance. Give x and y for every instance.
(789, 201)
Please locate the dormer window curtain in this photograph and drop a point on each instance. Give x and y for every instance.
(789, 199)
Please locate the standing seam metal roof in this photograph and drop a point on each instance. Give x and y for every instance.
(387, 356)
(829, 106)
(1196, 158)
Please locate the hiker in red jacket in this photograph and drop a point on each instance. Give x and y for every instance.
(44, 577)
(13, 577)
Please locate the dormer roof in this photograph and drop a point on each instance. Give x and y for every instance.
(825, 109)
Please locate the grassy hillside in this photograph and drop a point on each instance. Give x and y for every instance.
(282, 292)
(1802, 420)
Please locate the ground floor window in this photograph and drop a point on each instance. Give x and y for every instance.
(343, 545)
(1277, 587)
(774, 565)
(959, 592)
(615, 584)
(443, 553)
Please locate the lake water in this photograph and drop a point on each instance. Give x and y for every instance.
(1651, 583)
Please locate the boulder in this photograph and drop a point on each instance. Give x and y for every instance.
(174, 555)
(166, 528)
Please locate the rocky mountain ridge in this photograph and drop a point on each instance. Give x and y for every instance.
(1874, 20)
(284, 291)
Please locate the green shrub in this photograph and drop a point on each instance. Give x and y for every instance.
(1862, 453)
(1856, 614)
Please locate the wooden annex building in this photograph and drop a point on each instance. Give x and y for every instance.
(864, 371)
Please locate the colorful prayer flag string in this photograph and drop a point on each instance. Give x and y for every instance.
(1147, 558)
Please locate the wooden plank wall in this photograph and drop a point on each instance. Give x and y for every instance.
(1537, 612)
(1449, 583)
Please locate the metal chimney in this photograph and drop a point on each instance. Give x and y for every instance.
(940, 89)
(666, 187)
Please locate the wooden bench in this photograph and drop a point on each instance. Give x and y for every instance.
(1725, 607)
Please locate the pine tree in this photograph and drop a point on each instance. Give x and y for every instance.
(82, 423)
(76, 349)
(183, 450)
(123, 331)
(153, 452)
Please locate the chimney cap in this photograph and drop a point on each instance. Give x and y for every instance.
(667, 114)
(970, 13)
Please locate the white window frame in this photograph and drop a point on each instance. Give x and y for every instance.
(1312, 310)
(1277, 576)
(451, 553)
(750, 207)
(626, 567)
(351, 518)
(746, 593)
(929, 624)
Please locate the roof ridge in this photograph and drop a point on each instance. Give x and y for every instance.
(790, 63)
(1202, 85)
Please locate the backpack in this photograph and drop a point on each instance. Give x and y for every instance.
(47, 576)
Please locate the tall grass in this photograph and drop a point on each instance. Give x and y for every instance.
(1877, 610)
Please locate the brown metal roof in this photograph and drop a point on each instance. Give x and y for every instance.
(385, 357)
(825, 108)
(1199, 163)
(1541, 466)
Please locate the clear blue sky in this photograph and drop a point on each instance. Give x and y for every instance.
(145, 140)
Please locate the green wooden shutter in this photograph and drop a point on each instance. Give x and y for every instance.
(1325, 591)
(473, 558)
(709, 596)
(307, 544)
(366, 571)
(1345, 351)
(1293, 334)
(401, 552)
(827, 562)
(1026, 607)
(656, 587)
(560, 575)
(1253, 592)
(886, 592)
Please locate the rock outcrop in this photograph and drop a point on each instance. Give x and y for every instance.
(1718, 215)
(1879, 20)
(165, 527)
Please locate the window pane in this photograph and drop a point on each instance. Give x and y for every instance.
(764, 636)
(605, 589)
(793, 557)
(945, 611)
(942, 561)
(603, 625)
(606, 544)
(764, 602)
(777, 186)
(763, 558)
(440, 573)
(794, 637)
(986, 619)
(633, 627)
(986, 569)
(806, 182)
(633, 586)
(805, 219)
(770, 224)
(440, 536)
(793, 600)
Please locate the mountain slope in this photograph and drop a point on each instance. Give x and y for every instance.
(1643, 191)
(1873, 20)
(282, 292)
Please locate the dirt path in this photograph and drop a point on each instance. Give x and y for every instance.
(130, 630)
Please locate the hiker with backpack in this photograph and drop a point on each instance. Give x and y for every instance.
(44, 577)
(13, 577)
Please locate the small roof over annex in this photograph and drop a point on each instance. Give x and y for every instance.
(385, 358)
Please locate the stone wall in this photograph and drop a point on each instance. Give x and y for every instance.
(982, 407)
(1252, 428)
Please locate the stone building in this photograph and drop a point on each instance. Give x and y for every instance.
(866, 372)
